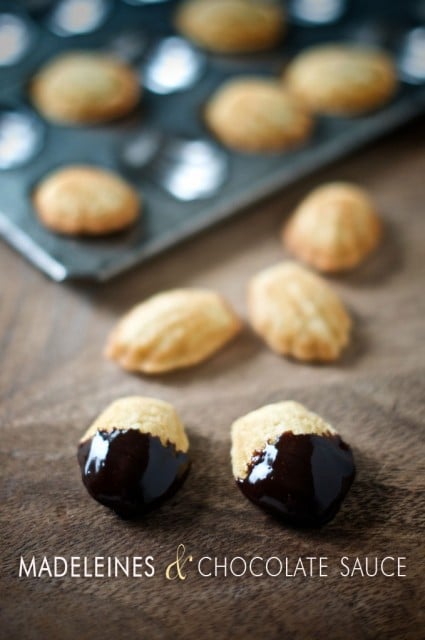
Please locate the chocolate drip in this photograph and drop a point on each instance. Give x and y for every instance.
(302, 479)
(129, 471)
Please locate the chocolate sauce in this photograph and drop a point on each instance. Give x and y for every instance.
(302, 479)
(129, 471)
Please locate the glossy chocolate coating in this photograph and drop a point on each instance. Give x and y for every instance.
(129, 471)
(302, 479)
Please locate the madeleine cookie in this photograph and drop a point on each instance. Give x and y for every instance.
(134, 455)
(342, 79)
(85, 200)
(297, 313)
(85, 88)
(172, 330)
(256, 115)
(231, 26)
(291, 463)
(334, 228)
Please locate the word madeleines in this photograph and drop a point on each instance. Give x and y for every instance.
(187, 565)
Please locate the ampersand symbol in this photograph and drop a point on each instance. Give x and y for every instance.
(175, 569)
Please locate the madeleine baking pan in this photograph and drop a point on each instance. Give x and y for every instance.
(188, 181)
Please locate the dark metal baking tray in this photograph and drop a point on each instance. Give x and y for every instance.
(166, 220)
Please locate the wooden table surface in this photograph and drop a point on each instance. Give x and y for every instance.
(54, 381)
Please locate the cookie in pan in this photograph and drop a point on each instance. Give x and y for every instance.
(298, 314)
(342, 79)
(334, 228)
(85, 200)
(134, 455)
(172, 330)
(291, 463)
(85, 88)
(231, 26)
(256, 115)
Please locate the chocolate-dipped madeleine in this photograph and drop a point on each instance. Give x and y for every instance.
(134, 455)
(291, 463)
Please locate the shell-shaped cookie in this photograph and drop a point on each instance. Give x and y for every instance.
(291, 463)
(342, 78)
(135, 455)
(334, 228)
(85, 87)
(256, 115)
(297, 313)
(86, 200)
(171, 330)
(231, 26)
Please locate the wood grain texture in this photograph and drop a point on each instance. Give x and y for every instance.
(53, 382)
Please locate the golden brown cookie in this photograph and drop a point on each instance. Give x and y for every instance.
(342, 79)
(85, 88)
(334, 228)
(171, 330)
(291, 463)
(134, 456)
(85, 200)
(297, 313)
(256, 115)
(231, 26)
